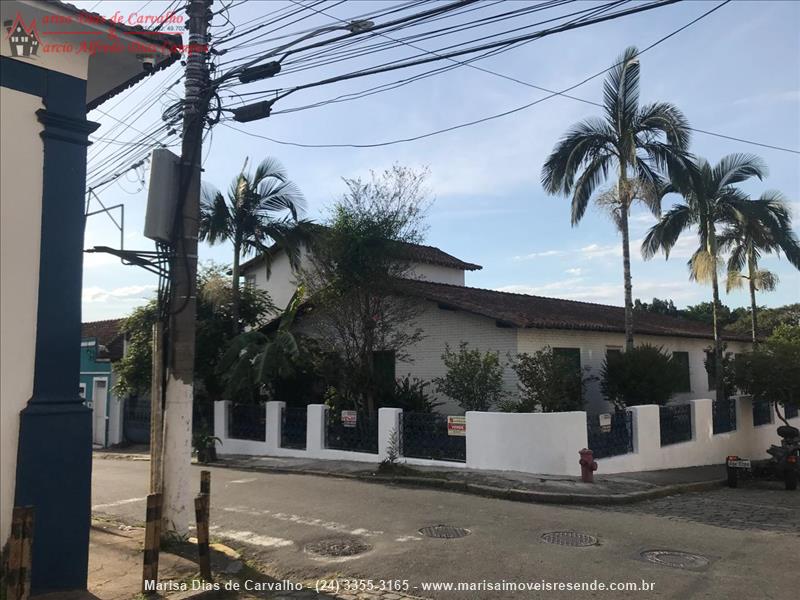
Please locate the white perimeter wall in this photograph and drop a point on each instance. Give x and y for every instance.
(539, 443)
(21, 161)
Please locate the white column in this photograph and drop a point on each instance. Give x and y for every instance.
(317, 417)
(221, 408)
(702, 420)
(274, 421)
(388, 425)
(646, 432)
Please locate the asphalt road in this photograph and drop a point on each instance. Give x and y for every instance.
(750, 537)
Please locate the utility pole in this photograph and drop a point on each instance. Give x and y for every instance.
(177, 440)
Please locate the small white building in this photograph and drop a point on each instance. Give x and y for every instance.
(451, 313)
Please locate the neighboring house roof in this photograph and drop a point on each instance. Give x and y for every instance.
(525, 311)
(405, 251)
(108, 336)
(169, 41)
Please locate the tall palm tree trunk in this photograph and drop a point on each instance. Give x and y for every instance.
(626, 259)
(718, 367)
(753, 308)
(235, 296)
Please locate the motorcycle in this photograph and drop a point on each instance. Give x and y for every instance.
(784, 461)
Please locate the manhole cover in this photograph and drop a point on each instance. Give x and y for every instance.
(447, 532)
(675, 559)
(569, 538)
(337, 547)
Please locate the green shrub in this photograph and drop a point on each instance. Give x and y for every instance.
(547, 382)
(645, 375)
(772, 371)
(474, 379)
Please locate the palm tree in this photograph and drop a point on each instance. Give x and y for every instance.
(634, 141)
(710, 201)
(260, 210)
(747, 238)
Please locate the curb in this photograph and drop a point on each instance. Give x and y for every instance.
(513, 494)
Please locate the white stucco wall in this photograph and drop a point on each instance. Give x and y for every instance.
(436, 273)
(21, 161)
(593, 346)
(282, 280)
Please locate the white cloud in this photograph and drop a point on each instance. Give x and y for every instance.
(576, 288)
(98, 294)
(575, 272)
(543, 254)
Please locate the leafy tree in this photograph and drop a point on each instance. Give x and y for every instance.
(547, 382)
(214, 326)
(657, 306)
(769, 319)
(255, 361)
(634, 141)
(747, 237)
(645, 375)
(260, 210)
(710, 200)
(356, 263)
(770, 372)
(474, 379)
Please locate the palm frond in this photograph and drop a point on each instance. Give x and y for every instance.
(734, 281)
(269, 168)
(274, 195)
(702, 266)
(215, 218)
(580, 146)
(594, 174)
(766, 281)
(667, 119)
(664, 234)
(621, 91)
(736, 168)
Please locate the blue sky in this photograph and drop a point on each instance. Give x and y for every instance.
(736, 72)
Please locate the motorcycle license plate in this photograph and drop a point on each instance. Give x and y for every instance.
(739, 464)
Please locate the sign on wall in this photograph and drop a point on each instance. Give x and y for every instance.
(456, 425)
(605, 422)
(349, 418)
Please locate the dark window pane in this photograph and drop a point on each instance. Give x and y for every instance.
(384, 364)
(682, 360)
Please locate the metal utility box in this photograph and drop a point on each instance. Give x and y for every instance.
(162, 195)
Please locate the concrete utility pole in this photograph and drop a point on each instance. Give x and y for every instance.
(177, 439)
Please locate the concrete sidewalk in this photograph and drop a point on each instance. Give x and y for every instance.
(511, 485)
(526, 487)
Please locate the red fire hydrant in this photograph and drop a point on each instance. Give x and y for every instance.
(588, 465)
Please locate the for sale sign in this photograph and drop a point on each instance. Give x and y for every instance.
(605, 422)
(349, 418)
(456, 425)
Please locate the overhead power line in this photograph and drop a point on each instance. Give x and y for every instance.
(531, 85)
(563, 92)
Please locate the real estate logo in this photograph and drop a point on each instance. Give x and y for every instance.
(23, 40)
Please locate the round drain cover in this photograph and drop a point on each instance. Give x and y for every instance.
(447, 532)
(337, 547)
(569, 538)
(675, 559)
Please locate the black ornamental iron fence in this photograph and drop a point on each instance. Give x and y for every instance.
(790, 411)
(293, 427)
(762, 412)
(676, 423)
(724, 415)
(136, 420)
(610, 434)
(352, 430)
(433, 436)
(247, 421)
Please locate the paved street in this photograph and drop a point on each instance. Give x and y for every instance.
(747, 535)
